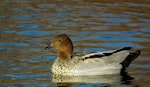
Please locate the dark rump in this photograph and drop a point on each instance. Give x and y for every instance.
(132, 56)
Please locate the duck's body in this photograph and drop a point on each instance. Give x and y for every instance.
(100, 63)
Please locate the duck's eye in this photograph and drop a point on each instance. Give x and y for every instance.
(59, 40)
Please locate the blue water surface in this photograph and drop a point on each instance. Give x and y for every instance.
(33, 33)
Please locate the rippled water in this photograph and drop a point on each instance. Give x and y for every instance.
(26, 27)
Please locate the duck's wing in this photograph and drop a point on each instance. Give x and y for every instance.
(101, 54)
(105, 62)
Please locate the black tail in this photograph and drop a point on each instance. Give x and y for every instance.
(129, 59)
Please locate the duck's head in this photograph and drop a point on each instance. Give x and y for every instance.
(63, 45)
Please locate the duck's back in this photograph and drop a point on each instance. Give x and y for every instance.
(101, 65)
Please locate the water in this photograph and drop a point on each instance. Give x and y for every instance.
(26, 27)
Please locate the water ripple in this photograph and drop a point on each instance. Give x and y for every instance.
(25, 16)
(116, 20)
(6, 50)
(15, 69)
(29, 26)
(145, 66)
(2, 62)
(119, 38)
(17, 9)
(68, 24)
(99, 27)
(33, 33)
(145, 30)
(8, 31)
(52, 57)
(62, 14)
(13, 44)
(147, 35)
(122, 45)
(28, 76)
(107, 14)
(93, 49)
(1, 16)
(145, 20)
(120, 32)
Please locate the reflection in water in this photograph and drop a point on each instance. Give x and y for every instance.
(101, 80)
(110, 79)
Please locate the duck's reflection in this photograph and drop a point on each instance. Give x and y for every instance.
(111, 79)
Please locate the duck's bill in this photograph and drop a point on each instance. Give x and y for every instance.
(48, 46)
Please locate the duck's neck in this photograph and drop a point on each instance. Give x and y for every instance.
(64, 55)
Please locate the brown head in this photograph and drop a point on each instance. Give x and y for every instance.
(63, 45)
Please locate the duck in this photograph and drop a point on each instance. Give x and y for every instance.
(95, 63)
